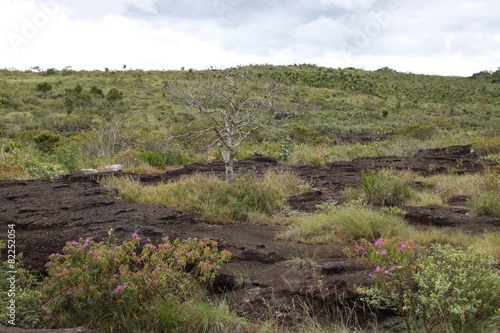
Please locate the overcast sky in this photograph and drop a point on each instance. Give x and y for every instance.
(444, 37)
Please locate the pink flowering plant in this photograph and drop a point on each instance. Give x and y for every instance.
(437, 287)
(393, 261)
(90, 281)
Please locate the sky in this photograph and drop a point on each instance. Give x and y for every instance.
(438, 37)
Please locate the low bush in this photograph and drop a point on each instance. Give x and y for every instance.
(46, 141)
(111, 286)
(441, 287)
(152, 158)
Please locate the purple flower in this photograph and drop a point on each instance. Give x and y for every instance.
(48, 265)
(392, 268)
(378, 269)
(135, 234)
(74, 243)
(402, 245)
(384, 252)
(117, 289)
(154, 282)
(386, 272)
(138, 260)
(203, 278)
(219, 268)
(379, 242)
(189, 239)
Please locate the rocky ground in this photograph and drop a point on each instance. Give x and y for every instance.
(266, 276)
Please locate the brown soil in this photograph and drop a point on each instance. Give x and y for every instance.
(47, 213)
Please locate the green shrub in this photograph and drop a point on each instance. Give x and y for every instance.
(458, 290)
(177, 156)
(152, 158)
(95, 90)
(5, 102)
(114, 95)
(384, 188)
(10, 146)
(69, 157)
(111, 286)
(44, 87)
(46, 141)
(28, 299)
(441, 287)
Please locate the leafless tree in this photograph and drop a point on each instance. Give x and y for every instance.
(231, 104)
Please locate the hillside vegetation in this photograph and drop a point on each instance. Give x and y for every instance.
(429, 277)
(58, 121)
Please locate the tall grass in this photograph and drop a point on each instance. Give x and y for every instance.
(346, 223)
(355, 221)
(249, 198)
(385, 187)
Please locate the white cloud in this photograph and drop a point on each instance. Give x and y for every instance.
(447, 37)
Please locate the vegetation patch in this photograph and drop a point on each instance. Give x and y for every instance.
(384, 188)
(436, 289)
(247, 198)
(345, 223)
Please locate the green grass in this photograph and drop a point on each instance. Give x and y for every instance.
(384, 188)
(487, 203)
(249, 198)
(345, 223)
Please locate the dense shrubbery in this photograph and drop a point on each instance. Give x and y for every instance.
(121, 287)
(439, 287)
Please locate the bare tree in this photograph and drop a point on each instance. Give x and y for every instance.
(230, 104)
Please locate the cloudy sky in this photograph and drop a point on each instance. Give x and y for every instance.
(444, 37)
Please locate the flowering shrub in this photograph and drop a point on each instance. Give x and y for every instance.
(439, 286)
(94, 281)
(393, 260)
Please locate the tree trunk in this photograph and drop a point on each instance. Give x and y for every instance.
(228, 156)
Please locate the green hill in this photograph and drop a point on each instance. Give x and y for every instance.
(57, 121)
